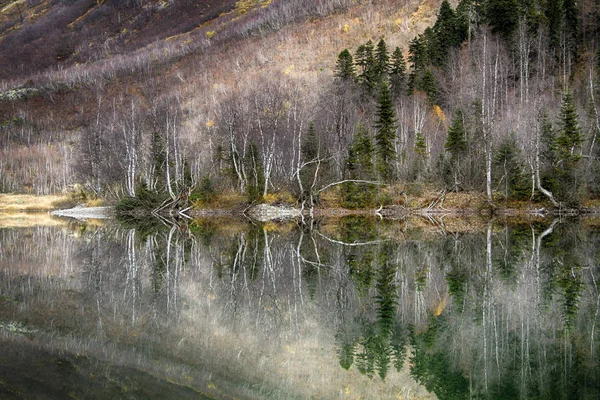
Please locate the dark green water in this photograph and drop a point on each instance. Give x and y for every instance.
(356, 308)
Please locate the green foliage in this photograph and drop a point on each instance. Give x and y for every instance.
(456, 143)
(509, 172)
(205, 192)
(503, 16)
(398, 72)
(382, 60)
(386, 134)
(428, 85)
(569, 140)
(344, 68)
(256, 176)
(366, 63)
(145, 199)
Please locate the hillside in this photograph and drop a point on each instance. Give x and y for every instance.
(173, 95)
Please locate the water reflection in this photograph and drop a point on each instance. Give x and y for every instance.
(351, 308)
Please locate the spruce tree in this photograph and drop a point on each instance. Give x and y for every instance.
(570, 138)
(365, 60)
(456, 144)
(386, 133)
(359, 165)
(310, 152)
(344, 68)
(429, 86)
(360, 157)
(382, 60)
(398, 72)
(446, 33)
(503, 16)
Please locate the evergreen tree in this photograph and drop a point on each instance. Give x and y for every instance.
(256, 175)
(344, 68)
(570, 138)
(429, 86)
(398, 72)
(456, 143)
(420, 145)
(418, 59)
(446, 33)
(365, 60)
(509, 171)
(360, 157)
(386, 133)
(382, 60)
(310, 152)
(503, 16)
(359, 166)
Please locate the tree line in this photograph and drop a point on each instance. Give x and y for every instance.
(497, 97)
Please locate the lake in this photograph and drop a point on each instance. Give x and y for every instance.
(339, 308)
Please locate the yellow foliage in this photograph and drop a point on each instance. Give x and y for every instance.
(440, 307)
(210, 34)
(288, 70)
(210, 123)
(346, 28)
(439, 113)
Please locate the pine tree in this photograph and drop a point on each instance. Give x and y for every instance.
(386, 133)
(398, 72)
(344, 68)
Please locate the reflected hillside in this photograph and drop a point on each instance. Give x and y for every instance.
(351, 308)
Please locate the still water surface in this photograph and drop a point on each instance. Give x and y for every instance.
(352, 308)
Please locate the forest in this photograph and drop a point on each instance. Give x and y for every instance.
(495, 97)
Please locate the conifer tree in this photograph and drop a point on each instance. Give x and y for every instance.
(310, 152)
(503, 16)
(386, 133)
(398, 72)
(456, 143)
(570, 138)
(446, 32)
(360, 155)
(382, 60)
(429, 86)
(344, 68)
(359, 166)
(365, 60)
(420, 145)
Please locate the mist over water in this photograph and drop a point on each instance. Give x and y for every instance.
(346, 308)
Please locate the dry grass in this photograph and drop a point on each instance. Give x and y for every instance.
(29, 203)
(28, 220)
